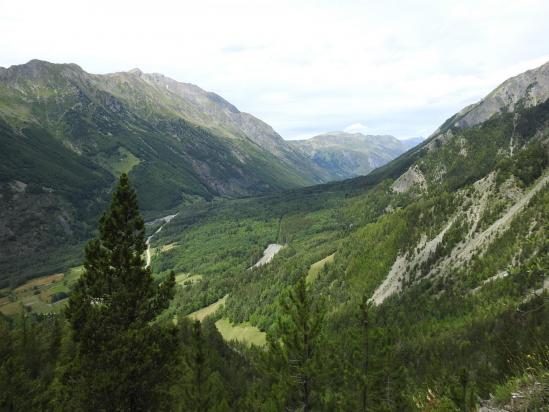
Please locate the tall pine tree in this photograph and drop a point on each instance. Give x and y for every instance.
(296, 356)
(122, 360)
(365, 308)
(201, 387)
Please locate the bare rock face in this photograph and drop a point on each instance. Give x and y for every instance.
(413, 177)
(527, 89)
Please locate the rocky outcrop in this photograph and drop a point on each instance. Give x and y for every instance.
(527, 89)
(412, 178)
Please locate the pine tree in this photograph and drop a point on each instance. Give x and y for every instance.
(122, 360)
(196, 391)
(201, 388)
(364, 310)
(299, 347)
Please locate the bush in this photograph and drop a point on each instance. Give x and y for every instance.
(59, 296)
(530, 162)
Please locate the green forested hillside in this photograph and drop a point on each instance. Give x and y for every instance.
(429, 289)
(67, 134)
(454, 263)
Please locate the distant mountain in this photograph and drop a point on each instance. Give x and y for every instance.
(66, 135)
(346, 155)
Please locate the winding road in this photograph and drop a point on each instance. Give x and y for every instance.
(165, 220)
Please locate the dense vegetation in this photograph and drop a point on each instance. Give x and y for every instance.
(466, 315)
(455, 335)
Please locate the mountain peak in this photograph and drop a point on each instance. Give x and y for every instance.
(136, 71)
(347, 154)
(339, 136)
(43, 64)
(526, 89)
(38, 70)
(38, 62)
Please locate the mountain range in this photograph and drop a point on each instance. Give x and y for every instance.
(67, 134)
(347, 155)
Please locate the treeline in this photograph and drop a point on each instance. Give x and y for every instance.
(394, 358)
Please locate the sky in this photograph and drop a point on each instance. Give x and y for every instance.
(304, 67)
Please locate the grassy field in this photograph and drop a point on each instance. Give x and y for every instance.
(208, 310)
(38, 295)
(186, 279)
(40, 282)
(242, 332)
(167, 248)
(125, 162)
(316, 267)
(156, 251)
(11, 309)
(118, 162)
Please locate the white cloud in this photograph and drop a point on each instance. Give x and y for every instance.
(303, 66)
(356, 128)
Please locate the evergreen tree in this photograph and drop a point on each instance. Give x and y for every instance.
(299, 349)
(27, 362)
(202, 388)
(122, 360)
(195, 393)
(364, 309)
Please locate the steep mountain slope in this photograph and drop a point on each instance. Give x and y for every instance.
(66, 134)
(523, 91)
(448, 243)
(202, 108)
(347, 155)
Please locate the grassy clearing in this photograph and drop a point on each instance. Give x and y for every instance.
(73, 274)
(243, 332)
(40, 282)
(38, 295)
(167, 248)
(315, 268)
(118, 162)
(186, 279)
(125, 162)
(11, 309)
(201, 314)
(157, 251)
